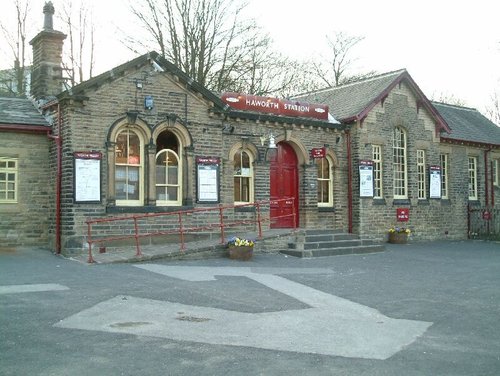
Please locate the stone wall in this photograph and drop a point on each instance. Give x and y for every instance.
(26, 222)
(429, 219)
(88, 123)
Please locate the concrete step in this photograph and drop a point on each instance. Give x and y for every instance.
(337, 251)
(321, 243)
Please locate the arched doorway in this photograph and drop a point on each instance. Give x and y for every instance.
(284, 188)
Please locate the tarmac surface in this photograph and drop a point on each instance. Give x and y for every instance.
(415, 309)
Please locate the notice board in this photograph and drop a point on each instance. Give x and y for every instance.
(365, 178)
(87, 177)
(435, 182)
(207, 176)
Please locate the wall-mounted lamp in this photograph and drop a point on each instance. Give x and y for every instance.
(338, 139)
(132, 116)
(272, 149)
(272, 141)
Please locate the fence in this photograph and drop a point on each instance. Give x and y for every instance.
(181, 223)
(483, 223)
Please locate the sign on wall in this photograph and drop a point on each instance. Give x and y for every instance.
(435, 182)
(207, 176)
(87, 177)
(402, 214)
(365, 178)
(318, 153)
(275, 106)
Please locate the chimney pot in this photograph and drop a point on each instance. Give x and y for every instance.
(48, 11)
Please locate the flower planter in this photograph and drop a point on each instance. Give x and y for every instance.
(398, 237)
(242, 252)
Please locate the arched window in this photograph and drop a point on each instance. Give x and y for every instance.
(129, 152)
(400, 176)
(168, 170)
(325, 182)
(243, 177)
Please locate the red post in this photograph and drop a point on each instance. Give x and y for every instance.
(259, 220)
(89, 240)
(181, 232)
(221, 223)
(138, 246)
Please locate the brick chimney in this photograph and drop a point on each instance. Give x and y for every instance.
(46, 74)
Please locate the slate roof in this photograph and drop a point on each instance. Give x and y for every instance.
(20, 111)
(468, 124)
(353, 101)
(347, 101)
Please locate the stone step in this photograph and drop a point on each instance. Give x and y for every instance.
(337, 251)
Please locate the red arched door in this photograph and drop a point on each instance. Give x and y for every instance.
(284, 182)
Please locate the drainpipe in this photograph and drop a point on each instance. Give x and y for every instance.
(58, 141)
(486, 185)
(349, 181)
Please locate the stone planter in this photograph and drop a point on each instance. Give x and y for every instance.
(398, 237)
(243, 253)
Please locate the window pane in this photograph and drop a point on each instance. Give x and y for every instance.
(161, 193)
(173, 176)
(323, 191)
(237, 164)
(161, 175)
(245, 160)
(172, 194)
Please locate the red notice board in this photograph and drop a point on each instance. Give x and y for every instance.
(402, 214)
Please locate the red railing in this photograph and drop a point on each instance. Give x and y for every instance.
(178, 227)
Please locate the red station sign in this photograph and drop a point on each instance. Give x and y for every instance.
(275, 106)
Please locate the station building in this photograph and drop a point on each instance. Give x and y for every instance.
(145, 138)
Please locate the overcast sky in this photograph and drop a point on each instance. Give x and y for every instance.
(449, 47)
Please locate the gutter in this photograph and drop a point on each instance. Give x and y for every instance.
(349, 181)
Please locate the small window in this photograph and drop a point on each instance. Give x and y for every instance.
(243, 177)
(444, 176)
(421, 175)
(325, 182)
(8, 180)
(473, 178)
(377, 171)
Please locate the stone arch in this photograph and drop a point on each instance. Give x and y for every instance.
(249, 146)
(299, 148)
(179, 130)
(140, 126)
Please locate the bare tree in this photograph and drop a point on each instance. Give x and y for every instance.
(448, 99)
(79, 58)
(333, 69)
(14, 81)
(213, 43)
(493, 111)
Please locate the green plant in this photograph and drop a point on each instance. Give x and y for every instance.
(240, 242)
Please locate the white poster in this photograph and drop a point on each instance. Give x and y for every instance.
(435, 182)
(366, 179)
(208, 188)
(87, 180)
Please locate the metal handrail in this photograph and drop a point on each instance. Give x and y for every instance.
(181, 230)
